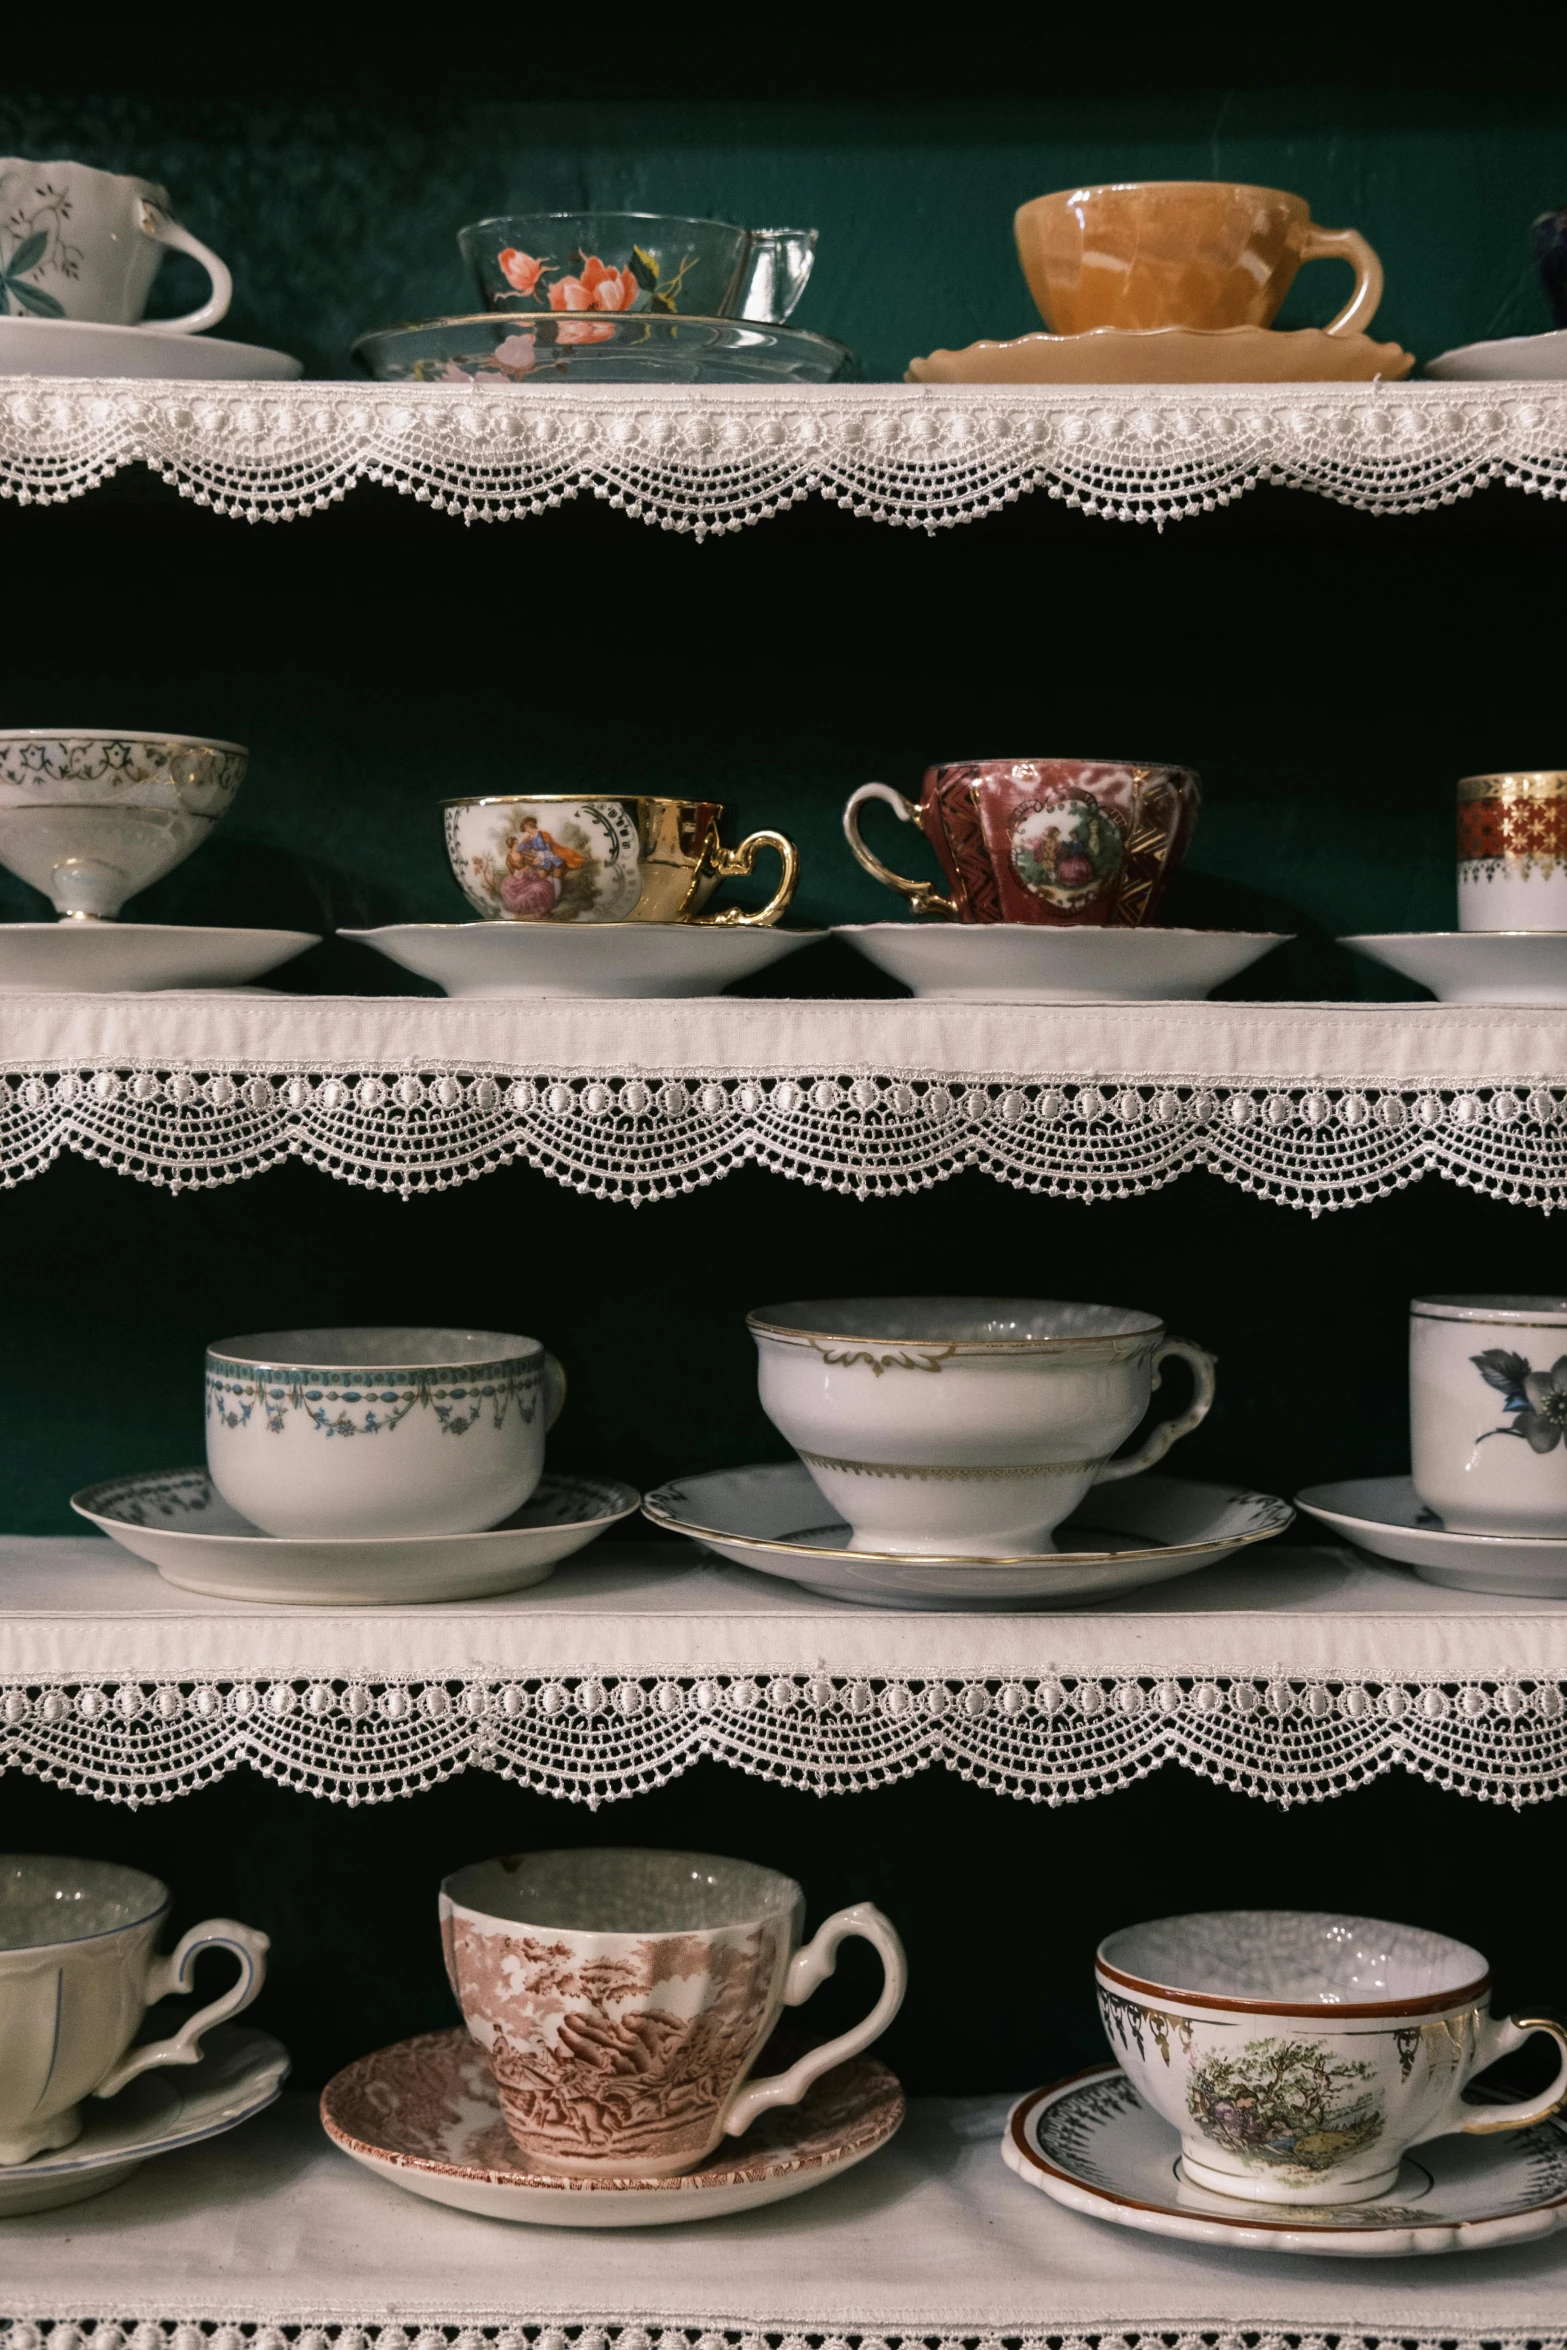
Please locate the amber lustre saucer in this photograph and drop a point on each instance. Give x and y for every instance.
(1170, 355)
(425, 2114)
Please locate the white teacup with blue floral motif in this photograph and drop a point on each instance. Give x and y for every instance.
(1488, 1412)
(1300, 2054)
(383, 1431)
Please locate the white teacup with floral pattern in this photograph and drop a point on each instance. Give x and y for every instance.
(1488, 1412)
(383, 1431)
(80, 243)
(1300, 2053)
(622, 1998)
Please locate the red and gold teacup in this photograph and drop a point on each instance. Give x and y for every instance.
(1076, 842)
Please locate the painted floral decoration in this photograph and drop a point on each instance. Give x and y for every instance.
(520, 270)
(1537, 1399)
(598, 288)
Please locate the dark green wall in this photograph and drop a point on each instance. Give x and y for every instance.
(337, 218)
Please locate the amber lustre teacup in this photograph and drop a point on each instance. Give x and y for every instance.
(1195, 253)
(622, 1998)
(604, 857)
(1080, 842)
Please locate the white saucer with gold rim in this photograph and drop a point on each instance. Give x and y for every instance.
(1093, 2145)
(772, 1517)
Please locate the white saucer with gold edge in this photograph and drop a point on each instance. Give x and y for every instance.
(426, 2115)
(772, 1517)
(530, 959)
(240, 2073)
(1093, 2145)
(189, 1533)
(1021, 963)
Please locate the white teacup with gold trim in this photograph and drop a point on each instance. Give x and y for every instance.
(1300, 2053)
(965, 1426)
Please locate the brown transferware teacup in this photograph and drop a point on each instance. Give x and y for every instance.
(1193, 253)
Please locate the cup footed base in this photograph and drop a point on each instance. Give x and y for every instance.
(1268, 2187)
(606, 2166)
(63, 2129)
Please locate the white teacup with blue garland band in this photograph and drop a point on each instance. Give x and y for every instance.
(965, 1426)
(379, 1431)
(1300, 2054)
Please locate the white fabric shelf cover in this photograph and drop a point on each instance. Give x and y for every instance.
(715, 458)
(1311, 1105)
(1296, 1675)
(931, 2242)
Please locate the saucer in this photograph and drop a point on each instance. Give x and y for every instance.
(107, 958)
(240, 2073)
(425, 2114)
(72, 346)
(196, 1541)
(1476, 966)
(1521, 359)
(637, 347)
(1092, 2144)
(1144, 1530)
(581, 958)
(1170, 355)
(1015, 963)
(1385, 1516)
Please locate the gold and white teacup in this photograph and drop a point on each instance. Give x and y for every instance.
(604, 857)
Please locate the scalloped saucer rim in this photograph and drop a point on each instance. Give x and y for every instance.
(1170, 355)
(1113, 2158)
(843, 2119)
(1386, 1517)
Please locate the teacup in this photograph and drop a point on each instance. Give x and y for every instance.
(78, 1971)
(622, 1998)
(90, 817)
(1512, 851)
(965, 1427)
(1488, 1412)
(448, 1428)
(1084, 842)
(1548, 243)
(1194, 253)
(86, 244)
(597, 265)
(1300, 2054)
(604, 857)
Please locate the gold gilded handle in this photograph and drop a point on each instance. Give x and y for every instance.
(729, 864)
(1347, 244)
(923, 896)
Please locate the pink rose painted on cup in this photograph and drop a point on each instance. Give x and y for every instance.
(521, 270)
(598, 288)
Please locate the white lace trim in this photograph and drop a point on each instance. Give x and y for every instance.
(708, 460)
(595, 1739)
(635, 1135)
(105, 2331)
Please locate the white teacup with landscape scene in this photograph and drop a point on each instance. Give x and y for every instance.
(965, 1426)
(622, 1998)
(379, 1431)
(1488, 1412)
(1300, 2054)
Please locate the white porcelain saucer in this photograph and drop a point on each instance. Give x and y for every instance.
(1144, 1530)
(107, 958)
(581, 958)
(1537, 359)
(71, 346)
(177, 1522)
(1015, 963)
(1476, 966)
(1092, 2144)
(240, 2073)
(1385, 1516)
(425, 2115)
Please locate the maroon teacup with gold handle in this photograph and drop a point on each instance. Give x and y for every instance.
(1085, 843)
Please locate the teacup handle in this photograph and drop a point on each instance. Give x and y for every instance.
(923, 896)
(777, 266)
(168, 1975)
(1496, 2037)
(1167, 1432)
(554, 1391)
(808, 1969)
(164, 231)
(1347, 244)
(727, 864)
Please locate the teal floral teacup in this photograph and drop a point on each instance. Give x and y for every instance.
(1300, 2054)
(592, 266)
